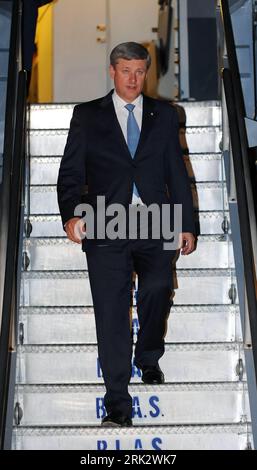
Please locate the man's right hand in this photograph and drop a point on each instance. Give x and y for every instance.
(75, 229)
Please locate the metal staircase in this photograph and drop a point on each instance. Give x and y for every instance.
(59, 389)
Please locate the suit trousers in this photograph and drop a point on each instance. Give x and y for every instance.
(111, 265)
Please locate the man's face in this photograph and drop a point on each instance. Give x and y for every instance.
(129, 77)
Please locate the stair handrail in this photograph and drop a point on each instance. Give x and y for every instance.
(10, 115)
(11, 198)
(243, 181)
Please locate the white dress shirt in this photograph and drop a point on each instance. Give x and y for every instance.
(122, 116)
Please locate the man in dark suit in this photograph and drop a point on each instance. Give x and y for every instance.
(125, 147)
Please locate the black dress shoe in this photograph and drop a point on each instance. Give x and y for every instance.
(115, 419)
(152, 375)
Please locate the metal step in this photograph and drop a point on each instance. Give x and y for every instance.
(209, 196)
(202, 167)
(214, 437)
(51, 226)
(212, 222)
(205, 167)
(47, 142)
(60, 254)
(80, 364)
(203, 113)
(50, 116)
(80, 405)
(58, 116)
(75, 325)
(212, 252)
(68, 289)
(206, 196)
(203, 139)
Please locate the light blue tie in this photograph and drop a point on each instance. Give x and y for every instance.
(133, 134)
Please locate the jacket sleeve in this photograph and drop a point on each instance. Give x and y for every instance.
(72, 172)
(177, 178)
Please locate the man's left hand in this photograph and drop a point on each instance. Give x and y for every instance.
(187, 243)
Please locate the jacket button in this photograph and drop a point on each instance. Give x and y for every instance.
(134, 165)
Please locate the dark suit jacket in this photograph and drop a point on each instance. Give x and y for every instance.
(96, 154)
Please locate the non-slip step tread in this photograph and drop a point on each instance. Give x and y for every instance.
(167, 387)
(206, 196)
(186, 104)
(200, 167)
(43, 241)
(75, 325)
(190, 129)
(199, 139)
(63, 274)
(202, 184)
(72, 288)
(169, 429)
(60, 254)
(161, 404)
(79, 364)
(74, 348)
(183, 437)
(195, 156)
(89, 310)
(211, 213)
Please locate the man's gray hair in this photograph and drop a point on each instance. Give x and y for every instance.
(130, 51)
